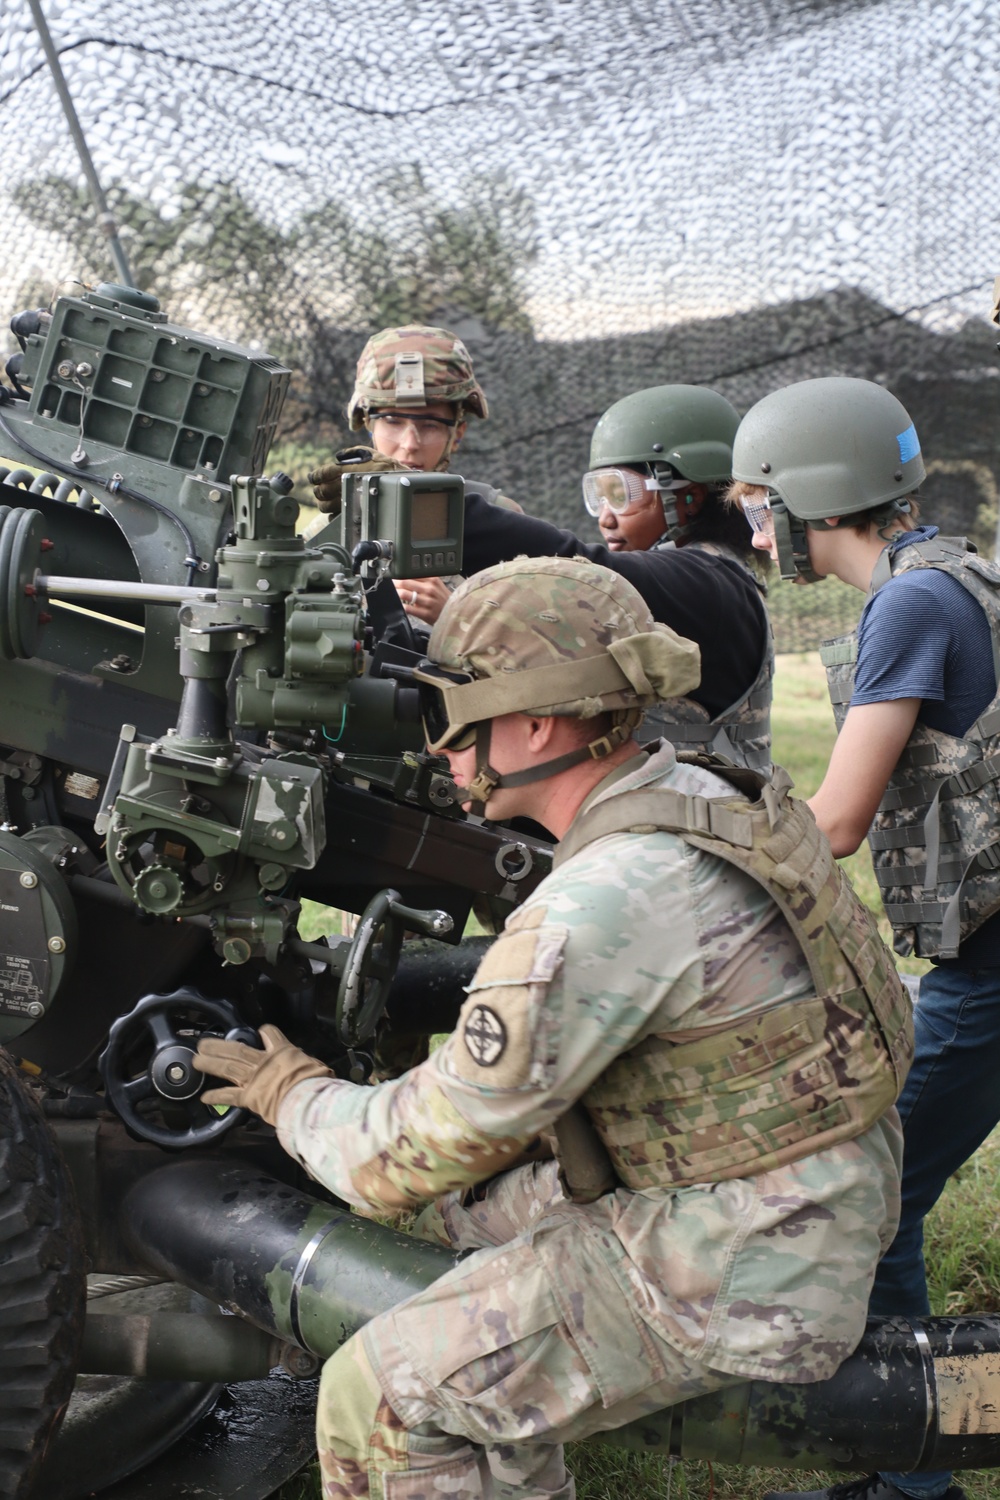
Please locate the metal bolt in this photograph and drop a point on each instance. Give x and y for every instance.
(765, 468)
(158, 375)
(657, 447)
(298, 1363)
(57, 945)
(84, 369)
(201, 390)
(36, 1009)
(263, 585)
(214, 495)
(145, 421)
(175, 1073)
(28, 880)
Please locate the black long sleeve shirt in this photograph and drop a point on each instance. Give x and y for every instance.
(707, 598)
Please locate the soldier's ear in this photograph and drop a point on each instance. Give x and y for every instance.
(832, 520)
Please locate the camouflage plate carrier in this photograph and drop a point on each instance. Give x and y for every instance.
(935, 840)
(790, 1080)
(742, 732)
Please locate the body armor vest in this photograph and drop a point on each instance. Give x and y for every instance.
(935, 840)
(785, 1081)
(742, 732)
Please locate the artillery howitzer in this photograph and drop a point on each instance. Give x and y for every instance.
(205, 721)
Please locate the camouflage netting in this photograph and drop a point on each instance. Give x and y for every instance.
(596, 197)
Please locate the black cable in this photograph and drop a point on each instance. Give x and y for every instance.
(192, 561)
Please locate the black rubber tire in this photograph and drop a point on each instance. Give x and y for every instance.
(43, 1289)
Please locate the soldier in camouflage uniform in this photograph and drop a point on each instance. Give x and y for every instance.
(826, 472)
(415, 388)
(720, 1094)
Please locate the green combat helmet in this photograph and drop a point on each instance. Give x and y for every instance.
(414, 366)
(681, 431)
(836, 446)
(553, 635)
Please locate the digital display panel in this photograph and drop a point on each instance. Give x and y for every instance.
(429, 517)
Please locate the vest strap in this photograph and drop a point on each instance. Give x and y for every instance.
(768, 1086)
(961, 783)
(647, 811)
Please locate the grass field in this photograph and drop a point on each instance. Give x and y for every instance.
(963, 1233)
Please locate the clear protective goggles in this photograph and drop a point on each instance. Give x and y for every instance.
(618, 489)
(760, 515)
(622, 489)
(439, 732)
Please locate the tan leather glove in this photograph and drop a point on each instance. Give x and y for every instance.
(262, 1079)
(326, 479)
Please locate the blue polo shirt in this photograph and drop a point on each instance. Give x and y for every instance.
(924, 636)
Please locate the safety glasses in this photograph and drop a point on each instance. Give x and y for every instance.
(440, 733)
(760, 515)
(424, 427)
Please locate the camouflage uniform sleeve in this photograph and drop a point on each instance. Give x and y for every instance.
(569, 985)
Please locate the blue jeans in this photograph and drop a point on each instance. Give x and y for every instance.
(949, 1105)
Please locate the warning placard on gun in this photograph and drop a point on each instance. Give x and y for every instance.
(24, 960)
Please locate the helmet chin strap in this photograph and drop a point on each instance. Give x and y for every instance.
(791, 535)
(675, 530)
(486, 779)
(793, 545)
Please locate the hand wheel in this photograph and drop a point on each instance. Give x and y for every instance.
(173, 1024)
(372, 959)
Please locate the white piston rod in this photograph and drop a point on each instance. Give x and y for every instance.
(56, 586)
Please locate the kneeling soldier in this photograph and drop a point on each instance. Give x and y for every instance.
(698, 1008)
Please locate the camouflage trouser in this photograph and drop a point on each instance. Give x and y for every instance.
(471, 1387)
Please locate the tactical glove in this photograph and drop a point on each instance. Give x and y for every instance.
(357, 460)
(262, 1079)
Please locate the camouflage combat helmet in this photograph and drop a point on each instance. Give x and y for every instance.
(552, 636)
(686, 426)
(413, 366)
(836, 446)
(679, 431)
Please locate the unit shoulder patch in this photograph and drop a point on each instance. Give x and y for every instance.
(504, 1035)
(485, 1036)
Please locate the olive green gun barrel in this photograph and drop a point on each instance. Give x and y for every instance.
(914, 1395)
